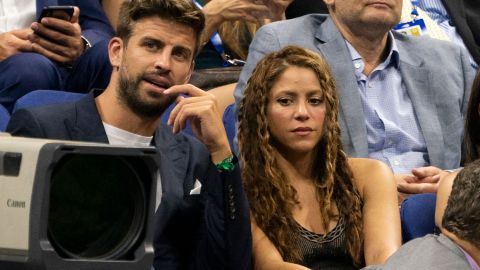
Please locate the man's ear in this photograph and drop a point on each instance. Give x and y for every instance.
(115, 51)
(189, 75)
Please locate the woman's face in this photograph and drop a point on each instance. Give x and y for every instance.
(296, 111)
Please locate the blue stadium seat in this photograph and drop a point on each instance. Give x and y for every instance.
(4, 117)
(418, 216)
(45, 97)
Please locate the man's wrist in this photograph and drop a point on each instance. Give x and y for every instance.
(227, 164)
(86, 44)
(221, 154)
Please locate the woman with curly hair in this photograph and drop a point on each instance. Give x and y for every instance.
(311, 205)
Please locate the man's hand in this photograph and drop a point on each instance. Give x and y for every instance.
(277, 9)
(57, 39)
(218, 11)
(422, 180)
(14, 42)
(202, 112)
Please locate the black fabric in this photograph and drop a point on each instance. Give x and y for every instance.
(465, 16)
(208, 58)
(303, 7)
(326, 252)
(213, 77)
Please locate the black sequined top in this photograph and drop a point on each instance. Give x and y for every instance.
(326, 252)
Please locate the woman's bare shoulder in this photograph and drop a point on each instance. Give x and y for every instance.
(367, 166)
(370, 172)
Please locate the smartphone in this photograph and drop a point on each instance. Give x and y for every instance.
(59, 12)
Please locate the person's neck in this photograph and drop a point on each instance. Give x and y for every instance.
(371, 44)
(296, 166)
(468, 247)
(113, 112)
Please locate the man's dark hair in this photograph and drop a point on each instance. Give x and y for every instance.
(462, 215)
(183, 12)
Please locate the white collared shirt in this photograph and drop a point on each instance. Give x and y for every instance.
(394, 134)
(16, 14)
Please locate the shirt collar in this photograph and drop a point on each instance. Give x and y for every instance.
(470, 260)
(393, 57)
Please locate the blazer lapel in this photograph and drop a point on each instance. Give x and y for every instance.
(86, 124)
(352, 119)
(419, 85)
(174, 157)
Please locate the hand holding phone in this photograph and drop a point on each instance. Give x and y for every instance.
(60, 12)
(57, 34)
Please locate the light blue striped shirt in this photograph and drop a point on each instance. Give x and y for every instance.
(437, 12)
(393, 131)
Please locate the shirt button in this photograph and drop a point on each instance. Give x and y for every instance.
(370, 84)
(396, 162)
(357, 65)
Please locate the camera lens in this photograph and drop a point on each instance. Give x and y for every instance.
(97, 207)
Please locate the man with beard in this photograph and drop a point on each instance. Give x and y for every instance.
(402, 98)
(202, 221)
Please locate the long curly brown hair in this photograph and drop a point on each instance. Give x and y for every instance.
(271, 197)
(237, 36)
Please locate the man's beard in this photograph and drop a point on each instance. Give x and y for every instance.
(129, 95)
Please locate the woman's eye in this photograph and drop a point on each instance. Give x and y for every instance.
(315, 101)
(284, 101)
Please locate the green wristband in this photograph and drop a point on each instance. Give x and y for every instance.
(226, 165)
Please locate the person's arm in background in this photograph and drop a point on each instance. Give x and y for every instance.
(93, 20)
(64, 41)
(218, 11)
(381, 218)
(112, 8)
(277, 9)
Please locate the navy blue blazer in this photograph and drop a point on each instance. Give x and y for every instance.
(93, 20)
(207, 231)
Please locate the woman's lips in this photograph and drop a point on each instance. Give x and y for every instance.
(302, 131)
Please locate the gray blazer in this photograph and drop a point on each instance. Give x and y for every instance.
(431, 252)
(437, 76)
